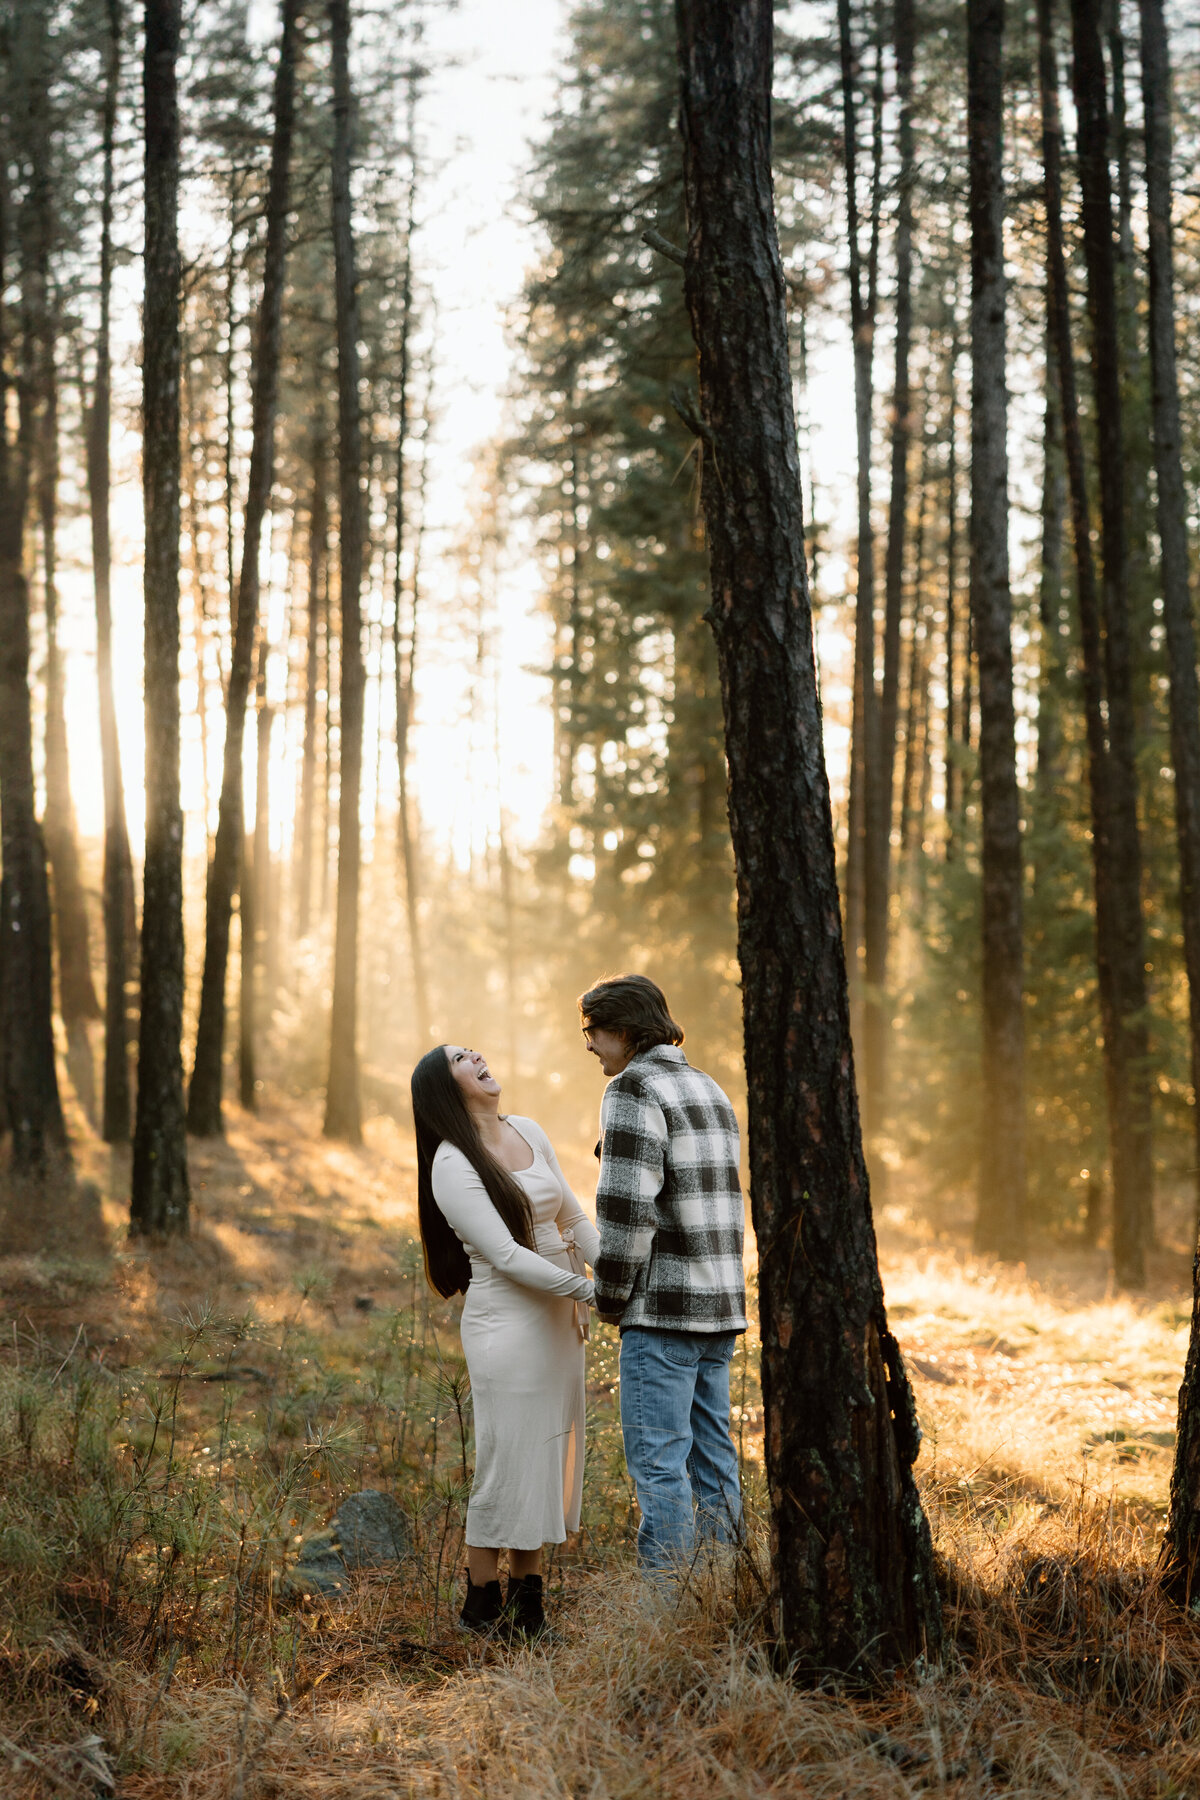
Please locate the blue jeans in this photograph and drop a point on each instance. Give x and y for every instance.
(675, 1422)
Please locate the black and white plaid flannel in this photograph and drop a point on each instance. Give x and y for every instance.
(669, 1203)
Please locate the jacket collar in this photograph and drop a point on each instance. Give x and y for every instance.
(669, 1055)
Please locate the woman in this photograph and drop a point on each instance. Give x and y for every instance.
(500, 1224)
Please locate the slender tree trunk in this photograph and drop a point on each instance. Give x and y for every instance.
(333, 732)
(194, 457)
(77, 996)
(1048, 779)
(877, 1010)
(318, 552)
(76, 993)
(1000, 1220)
(916, 730)
(1132, 1160)
(865, 723)
(120, 943)
(204, 1093)
(953, 779)
(28, 1075)
(1182, 1543)
(1134, 389)
(159, 1199)
(852, 1558)
(404, 646)
(1087, 594)
(253, 904)
(343, 1102)
(409, 848)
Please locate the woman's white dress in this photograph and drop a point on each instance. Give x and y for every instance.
(523, 1346)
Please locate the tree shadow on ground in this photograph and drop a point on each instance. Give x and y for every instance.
(58, 1213)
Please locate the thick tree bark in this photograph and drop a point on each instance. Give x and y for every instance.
(120, 944)
(159, 1199)
(1000, 1220)
(853, 1566)
(1129, 1088)
(343, 1103)
(877, 1010)
(204, 1092)
(1182, 1543)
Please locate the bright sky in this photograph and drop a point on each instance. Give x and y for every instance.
(495, 62)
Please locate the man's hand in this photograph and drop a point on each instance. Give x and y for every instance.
(610, 1318)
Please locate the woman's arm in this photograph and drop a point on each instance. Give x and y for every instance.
(570, 1213)
(464, 1202)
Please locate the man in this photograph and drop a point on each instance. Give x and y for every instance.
(669, 1273)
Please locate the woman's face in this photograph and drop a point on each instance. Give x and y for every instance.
(469, 1068)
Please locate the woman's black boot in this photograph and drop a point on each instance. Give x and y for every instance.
(482, 1609)
(524, 1612)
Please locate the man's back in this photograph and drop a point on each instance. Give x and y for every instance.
(669, 1202)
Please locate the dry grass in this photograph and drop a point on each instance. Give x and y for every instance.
(171, 1423)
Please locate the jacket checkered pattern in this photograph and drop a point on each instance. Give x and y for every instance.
(669, 1203)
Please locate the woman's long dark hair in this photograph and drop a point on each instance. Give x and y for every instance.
(441, 1116)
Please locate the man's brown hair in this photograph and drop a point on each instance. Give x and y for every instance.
(633, 1005)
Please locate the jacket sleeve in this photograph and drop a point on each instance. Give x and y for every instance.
(633, 1142)
(463, 1200)
(570, 1214)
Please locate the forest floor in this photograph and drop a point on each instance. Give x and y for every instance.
(173, 1422)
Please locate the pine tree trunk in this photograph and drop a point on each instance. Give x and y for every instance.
(864, 729)
(1051, 671)
(318, 552)
(853, 1565)
(120, 940)
(77, 996)
(1182, 1543)
(1000, 1220)
(343, 1102)
(953, 779)
(877, 1010)
(1129, 1091)
(1087, 594)
(204, 1092)
(159, 1198)
(404, 646)
(77, 1001)
(29, 1097)
(255, 882)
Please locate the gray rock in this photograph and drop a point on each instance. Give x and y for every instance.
(371, 1529)
(318, 1571)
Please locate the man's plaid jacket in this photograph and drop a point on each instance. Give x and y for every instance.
(669, 1203)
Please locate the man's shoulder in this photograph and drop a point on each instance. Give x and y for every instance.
(678, 1076)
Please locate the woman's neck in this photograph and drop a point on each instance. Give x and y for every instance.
(487, 1122)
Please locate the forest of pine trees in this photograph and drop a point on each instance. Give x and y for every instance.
(845, 483)
(1009, 659)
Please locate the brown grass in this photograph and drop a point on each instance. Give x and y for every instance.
(171, 1422)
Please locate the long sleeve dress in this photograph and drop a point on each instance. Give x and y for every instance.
(524, 1348)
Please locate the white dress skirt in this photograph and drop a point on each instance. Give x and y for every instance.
(522, 1338)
